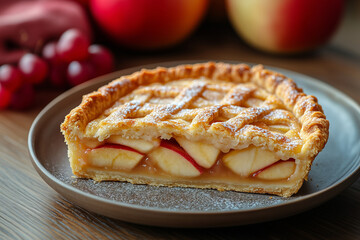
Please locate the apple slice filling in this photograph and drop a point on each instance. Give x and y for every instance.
(203, 154)
(180, 157)
(171, 158)
(278, 170)
(138, 144)
(114, 156)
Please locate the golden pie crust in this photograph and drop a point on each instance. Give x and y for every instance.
(228, 106)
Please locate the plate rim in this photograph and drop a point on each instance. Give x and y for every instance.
(332, 190)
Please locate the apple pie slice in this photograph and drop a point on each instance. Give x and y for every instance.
(207, 125)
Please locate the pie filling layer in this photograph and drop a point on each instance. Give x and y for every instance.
(180, 158)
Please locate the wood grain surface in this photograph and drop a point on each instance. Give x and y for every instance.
(30, 209)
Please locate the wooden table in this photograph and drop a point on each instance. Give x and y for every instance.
(30, 209)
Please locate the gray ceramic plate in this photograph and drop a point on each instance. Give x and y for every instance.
(336, 167)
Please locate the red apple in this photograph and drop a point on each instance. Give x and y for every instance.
(285, 26)
(148, 24)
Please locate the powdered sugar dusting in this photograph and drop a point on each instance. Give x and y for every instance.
(174, 199)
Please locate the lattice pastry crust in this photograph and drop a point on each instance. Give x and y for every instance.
(230, 108)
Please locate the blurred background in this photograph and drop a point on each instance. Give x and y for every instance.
(49, 46)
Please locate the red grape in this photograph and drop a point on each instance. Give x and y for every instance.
(73, 46)
(58, 75)
(101, 58)
(49, 53)
(10, 77)
(5, 97)
(33, 68)
(79, 72)
(23, 97)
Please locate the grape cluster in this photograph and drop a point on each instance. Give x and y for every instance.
(67, 62)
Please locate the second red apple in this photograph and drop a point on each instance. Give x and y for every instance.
(285, 26)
